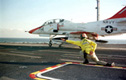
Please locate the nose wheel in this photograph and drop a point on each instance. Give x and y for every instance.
(52, 38)
(50, 43)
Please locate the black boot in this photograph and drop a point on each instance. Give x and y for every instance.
(112, 64)
(86, 61)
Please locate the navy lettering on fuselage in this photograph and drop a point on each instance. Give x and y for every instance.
(110, 22)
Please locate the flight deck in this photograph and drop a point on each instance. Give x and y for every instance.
(38, 61)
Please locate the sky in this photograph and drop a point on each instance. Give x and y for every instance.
(18, 16)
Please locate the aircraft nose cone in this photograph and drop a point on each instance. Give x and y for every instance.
(33, 30)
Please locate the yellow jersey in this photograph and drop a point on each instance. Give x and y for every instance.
(86, 45)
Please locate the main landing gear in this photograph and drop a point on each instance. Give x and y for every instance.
(60, 45)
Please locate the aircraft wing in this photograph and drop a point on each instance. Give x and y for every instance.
(91, 36)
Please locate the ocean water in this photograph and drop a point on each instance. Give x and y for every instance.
(23, 40)
(45, 40)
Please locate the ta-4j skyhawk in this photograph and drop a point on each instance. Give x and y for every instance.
(61, 28)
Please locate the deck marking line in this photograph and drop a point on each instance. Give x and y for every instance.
(38, 74)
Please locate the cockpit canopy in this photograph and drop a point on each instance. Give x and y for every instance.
(53, 21)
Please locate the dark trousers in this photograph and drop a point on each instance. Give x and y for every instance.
(85, 58)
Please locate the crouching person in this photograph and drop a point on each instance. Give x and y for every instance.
(88, 48)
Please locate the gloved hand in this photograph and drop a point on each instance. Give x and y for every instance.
(63, 39)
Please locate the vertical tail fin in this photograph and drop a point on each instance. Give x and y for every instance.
(120, 14)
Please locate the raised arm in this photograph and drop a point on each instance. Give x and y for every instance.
(72, 42)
